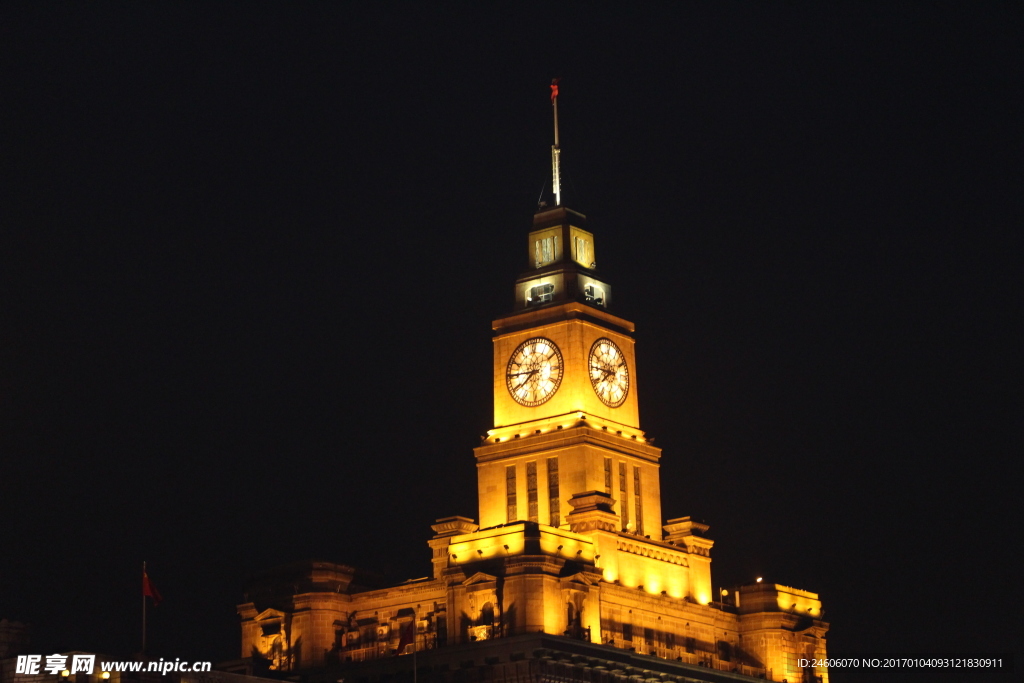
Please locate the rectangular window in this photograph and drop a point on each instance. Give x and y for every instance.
(623, 498)
(608, 476)
(583, 252)
(510, 493)
(670, 640)
(554, 503)
(627, 633)
(531, 490)
(544, 250)
(636, 500)
(540, 294)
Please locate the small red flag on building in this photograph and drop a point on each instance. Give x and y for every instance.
(149, 590)
(408, 634)
(554, 89)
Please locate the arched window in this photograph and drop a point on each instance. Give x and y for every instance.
(487, 615)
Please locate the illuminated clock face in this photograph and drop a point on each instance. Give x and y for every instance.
(534, 371)
(608, 372)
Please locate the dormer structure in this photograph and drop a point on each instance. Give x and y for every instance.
(562, 263)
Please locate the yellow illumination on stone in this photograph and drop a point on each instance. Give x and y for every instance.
(553, 617)
(798, 601)
(483, 546)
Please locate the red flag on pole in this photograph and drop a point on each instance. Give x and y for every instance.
(149, 590)
(408, 634)
(554, 89)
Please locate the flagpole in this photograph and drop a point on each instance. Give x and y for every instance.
(556, 181)
(143, 608)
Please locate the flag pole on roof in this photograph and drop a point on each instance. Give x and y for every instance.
(145, 585)
(556, 180)
(148, 591)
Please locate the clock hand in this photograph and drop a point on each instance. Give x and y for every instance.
(524, 382)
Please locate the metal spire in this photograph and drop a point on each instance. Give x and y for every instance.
(556, 181)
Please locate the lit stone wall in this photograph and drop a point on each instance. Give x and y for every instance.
(599, 585)
(581, 445)
(782, 625)
(312, 629)
(570, 328)
(636, 563)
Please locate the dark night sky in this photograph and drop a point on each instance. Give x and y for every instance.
(249, 255)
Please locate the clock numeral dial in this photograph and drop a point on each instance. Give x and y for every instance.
(534, 371)
(609, 373)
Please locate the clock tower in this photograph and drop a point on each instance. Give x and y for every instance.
(566, 416)
(570, 555)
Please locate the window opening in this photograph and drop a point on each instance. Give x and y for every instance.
(594, 295)
(510, 493)
(636, 500)
(531, 490)
(540, 294)
(623, 501)
(554, 504)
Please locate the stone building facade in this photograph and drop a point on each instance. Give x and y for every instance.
(570, 540)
